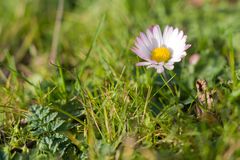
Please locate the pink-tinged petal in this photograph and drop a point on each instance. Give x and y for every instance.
(140, 44)
(140, 54)
(149, 35)
(143, 64)
(151, 28)
(146, 41)
(154, 43)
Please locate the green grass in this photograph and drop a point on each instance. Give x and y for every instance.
(94, 103)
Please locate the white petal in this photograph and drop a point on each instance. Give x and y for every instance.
(167, 34)
(155, 43)
(180, 35)
(169, 66)
(160, 69)
(151, 66)
(187, 46)
(176, 41)
(183, 54)
(175, 59)
(143, 64)
(158, 35)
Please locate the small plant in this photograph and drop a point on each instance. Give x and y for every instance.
(48, 129)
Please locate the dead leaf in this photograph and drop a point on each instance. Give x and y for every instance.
(205, 95)
(204, 109)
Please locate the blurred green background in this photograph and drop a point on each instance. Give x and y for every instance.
(26, 29)
(94, 62)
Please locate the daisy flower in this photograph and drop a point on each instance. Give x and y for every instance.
(161, 50)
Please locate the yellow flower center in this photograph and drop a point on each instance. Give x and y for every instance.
(161, 54)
